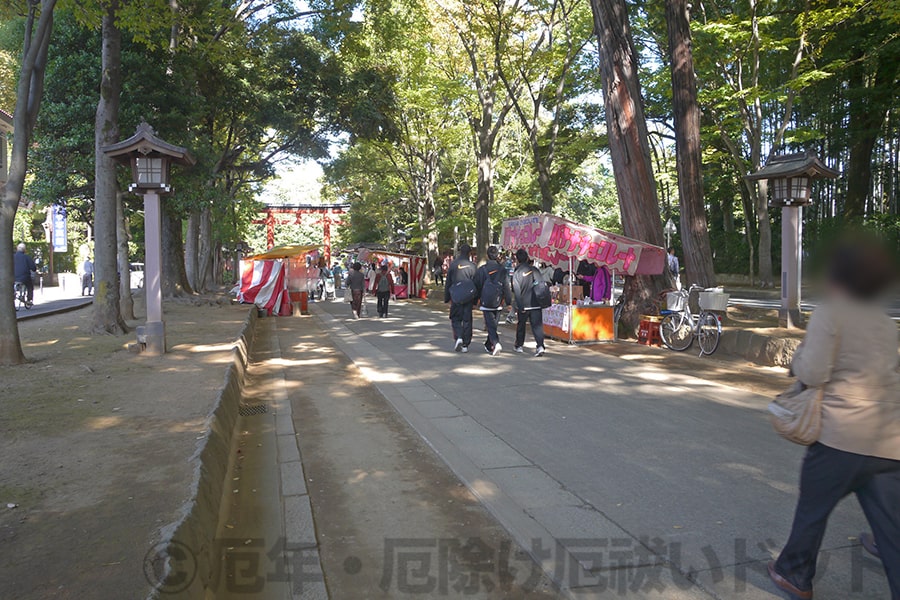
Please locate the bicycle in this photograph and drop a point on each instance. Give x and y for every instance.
(21, 296)
(679, 326)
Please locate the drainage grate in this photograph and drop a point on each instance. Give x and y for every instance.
(247, 410)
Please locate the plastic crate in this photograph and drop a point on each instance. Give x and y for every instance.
(717, 301)
(675, 301)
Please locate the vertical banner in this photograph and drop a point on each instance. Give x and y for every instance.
(60, 233)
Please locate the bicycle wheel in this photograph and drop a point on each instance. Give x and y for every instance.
(709, 333)
(675, 331)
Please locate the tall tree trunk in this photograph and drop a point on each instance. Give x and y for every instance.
(764, 258)
(205, 251)
(694, 227)
(126, 301)
(629, 149)
(427, 210)
(174, 279)
(29, 93)
(106, 317)
(867, 114)
(192, 247)
(543, 177)
(485, 191)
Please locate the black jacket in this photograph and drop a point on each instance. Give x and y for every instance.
(23, 266)
(461, 269)
(493, 269)
(523, 287)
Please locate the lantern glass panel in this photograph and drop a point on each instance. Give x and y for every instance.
(780, 189)
(800, 188)
(150, 171)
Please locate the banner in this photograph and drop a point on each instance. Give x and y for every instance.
(554, 240)
(58, 224)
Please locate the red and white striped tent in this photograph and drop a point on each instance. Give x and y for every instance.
(415, 266)
(268, 279)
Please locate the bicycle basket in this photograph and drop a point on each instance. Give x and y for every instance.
(716, 301)
(675, 301)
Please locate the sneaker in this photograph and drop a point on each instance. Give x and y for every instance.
(539, 351)
(497, 349)
(465, 349)
(487, 348)
(520, 350)
(458, 345)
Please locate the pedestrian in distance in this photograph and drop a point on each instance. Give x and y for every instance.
(438, 269)
(87, 277)
(461, 293)
(24, 270)
(492, 285)
(356, 282)
(850, 354)
(526, 280)
(384, 289)
(673, 267)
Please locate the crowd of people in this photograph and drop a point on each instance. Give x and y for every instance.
(493, 287)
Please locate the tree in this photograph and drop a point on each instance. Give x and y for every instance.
(38, 30)
(107, 317)
(541, 59)
(629, 148)
(694, 227)
(482, 29)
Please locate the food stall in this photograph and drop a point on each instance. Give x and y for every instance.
(564, 244)
(278, 278)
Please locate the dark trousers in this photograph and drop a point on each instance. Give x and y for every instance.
(536, 317)
(28, 282)
(827, 476)
(356, 301)
(491, 317)
(461, 320)
(383, 300)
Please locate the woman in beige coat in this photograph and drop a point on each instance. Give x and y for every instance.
(851, 349)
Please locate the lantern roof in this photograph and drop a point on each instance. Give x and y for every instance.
(6, 122)
(791, 165)
(145, 143)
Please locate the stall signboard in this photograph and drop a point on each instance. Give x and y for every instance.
(555, 240)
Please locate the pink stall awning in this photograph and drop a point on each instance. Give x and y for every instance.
(555, 240)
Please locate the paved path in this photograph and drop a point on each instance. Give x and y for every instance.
(624, 479)
(51, 300)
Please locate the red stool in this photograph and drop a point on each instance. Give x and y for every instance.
(648, 330)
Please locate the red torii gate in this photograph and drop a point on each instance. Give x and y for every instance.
(327, 211)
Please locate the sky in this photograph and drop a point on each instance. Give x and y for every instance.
(296, 182)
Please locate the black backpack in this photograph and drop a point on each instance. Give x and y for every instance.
(542, 293)
(492, 291)
(463, 292)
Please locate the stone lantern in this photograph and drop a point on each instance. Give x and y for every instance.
(150, 159)
(790, 179)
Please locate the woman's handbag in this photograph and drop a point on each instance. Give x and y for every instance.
(796, 414)
(348, 295)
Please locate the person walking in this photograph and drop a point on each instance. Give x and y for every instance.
(87, 277)
(492, 284)
(528, 308)
(384, 289)
(337, 272)
(461, 293)
(850, 352)
(24, 270)
(673, 266)
(438, 269)
(356, 282)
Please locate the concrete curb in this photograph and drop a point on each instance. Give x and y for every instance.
(185, 559)
(760, 349)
